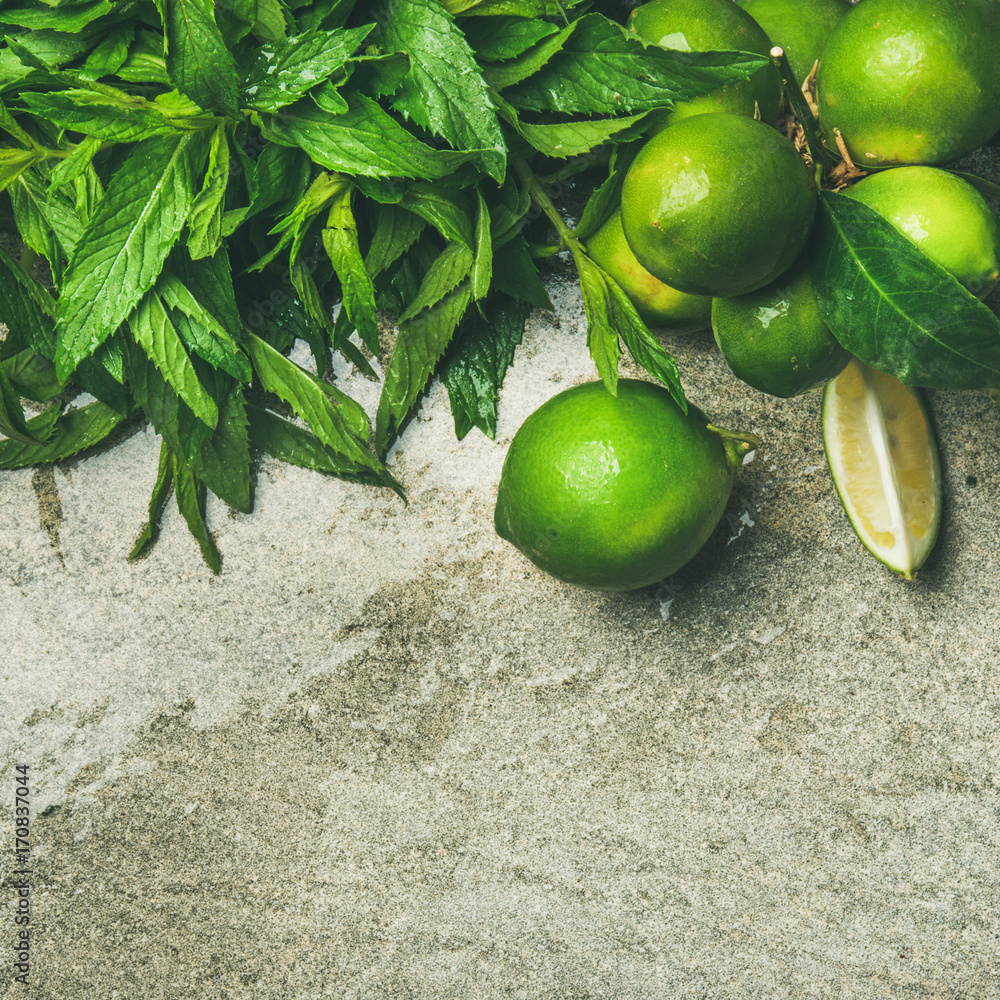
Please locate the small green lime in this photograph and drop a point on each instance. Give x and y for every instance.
(943, 215)
(658, 304)
(717, 205)
(706, 26)
(800, 27)
(775, 340)
(614, 492)
(912, 81)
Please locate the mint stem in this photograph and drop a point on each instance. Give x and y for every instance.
(541, 199)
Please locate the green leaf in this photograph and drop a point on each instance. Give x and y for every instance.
(894, 308)
(65, 435)
(443, 208)
(205, 219)
(602, 69)
(270, 24)
(26, 307)
(528, 62)
(515, 274)
(126, 242)
(496, 39)
(191, 495)
(32, 375)
(396, 230)
(282, 75)
(364, 140)
(120, 119)
(198, 61)
(482, 265)
(65, 18)
(642, 344)
(108, 56)
(605, 199)
(378, 75)
(14, 162)
(10, 125)
(475, 368)
(340, 240)
(444, 91)
(12, 422)
(339, 422)
(223, 463)
(602, 337)
(287, 442)
(75, 165)
(421, 343)
(448, 271)
(157, 502)
(156, 334)
(171, 418)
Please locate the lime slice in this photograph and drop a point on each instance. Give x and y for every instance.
(884, 460)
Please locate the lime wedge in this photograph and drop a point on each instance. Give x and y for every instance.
(884, 460)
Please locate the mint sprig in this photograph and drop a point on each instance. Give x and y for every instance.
(198, 186)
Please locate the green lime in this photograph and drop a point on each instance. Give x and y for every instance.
(706, 26)
(775, 340)
(615, 492)
(717, 205)
(943, 215)
(912, 81)
(658, 304)
(800, 27)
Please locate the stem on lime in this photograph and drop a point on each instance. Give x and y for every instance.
(738, 444)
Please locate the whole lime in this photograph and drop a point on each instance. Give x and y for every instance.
(800, 27)
(912, 81)
(706, 26)
(943, 215)
(717, 205)
(658, 304)
(775, 339)
(614, 492)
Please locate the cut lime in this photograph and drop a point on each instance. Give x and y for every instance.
(884, 460)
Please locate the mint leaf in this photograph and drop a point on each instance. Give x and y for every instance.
(26, 307)
(281, 75)
(65, 18)
(339, 422)
(126, 242)
(475, 367)
(223, 463)
(396, 230)
(64, 434)
(102, 116)
(156, 334)
(31, 375)
(419, 347)
(602, 337)
(340, 240)
(12, 422)
(444, 91)
(157, 502)
(445, 274)
(205, 219)
(198, 61)
(364, 140)
(191, 495)
(601, 69)
(288, 442)
(497, 39)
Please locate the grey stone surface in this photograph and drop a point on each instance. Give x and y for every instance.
(381, 756)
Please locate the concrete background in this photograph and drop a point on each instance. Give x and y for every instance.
(381, 756)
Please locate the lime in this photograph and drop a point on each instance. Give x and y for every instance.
(800, 27)
(707, 26)
(912, 81)
(615, 492)
(943, 215)
(884, 461)
(717, 205)
(775, 340)
(658, 304)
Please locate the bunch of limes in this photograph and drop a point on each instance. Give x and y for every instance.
(715, 228)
